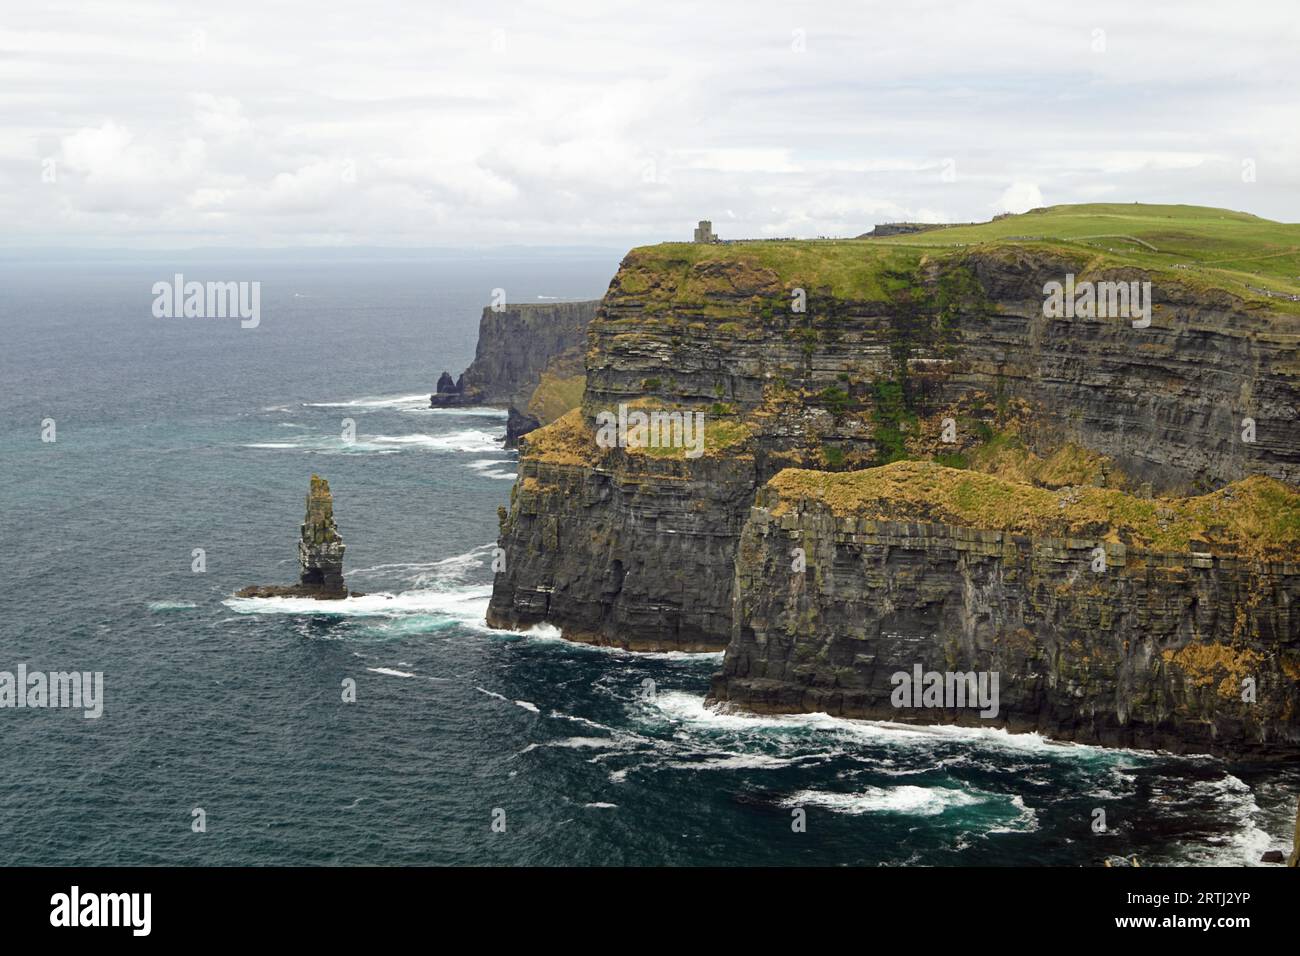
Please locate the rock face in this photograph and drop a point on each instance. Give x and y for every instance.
(320, 553)
(529, 358)
(1123, 646)
(820, 389)
(643, 550)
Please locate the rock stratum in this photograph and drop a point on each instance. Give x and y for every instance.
(1172, 446)
(529, 359)
(320, 553)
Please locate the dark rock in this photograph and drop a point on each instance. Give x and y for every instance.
(1151, 653)
(320, 553)
(1273, 856)
(518, 425)
(517, 347)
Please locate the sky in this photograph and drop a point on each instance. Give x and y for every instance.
(267, 124)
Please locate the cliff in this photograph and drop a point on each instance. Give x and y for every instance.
(848, 355)
(529, 358)
(1108, 620)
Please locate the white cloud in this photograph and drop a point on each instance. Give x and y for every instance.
(397, 123)
(1020, 197)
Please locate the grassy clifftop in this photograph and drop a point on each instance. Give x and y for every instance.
(1193, 245)
(1256, 516)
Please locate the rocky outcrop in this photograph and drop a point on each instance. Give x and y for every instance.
(320, 553)
(1167, 629)
(529, 358)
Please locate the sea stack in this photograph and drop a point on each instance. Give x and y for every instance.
(320, 549)
(320, 553)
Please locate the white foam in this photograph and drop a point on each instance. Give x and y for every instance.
(908, 800)
(1025, 822)
(172, 606)
(600, 806)
(528, 706)
(580, 743)
(549, 633)
(691, 709)
(389, 671)
(468, 439)
(1247, 842)
(416, 400)
(737, 762)
(472, 440)
(468, 604)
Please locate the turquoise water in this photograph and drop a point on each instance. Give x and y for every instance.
(181, 434)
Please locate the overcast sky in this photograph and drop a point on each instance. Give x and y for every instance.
(422, 123)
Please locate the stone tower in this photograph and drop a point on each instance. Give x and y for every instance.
(704, 232)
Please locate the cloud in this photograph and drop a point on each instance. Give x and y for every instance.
(1020, 197)
(622, 123)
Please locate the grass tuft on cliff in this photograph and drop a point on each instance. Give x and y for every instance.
(1257, 516)
(566, 441)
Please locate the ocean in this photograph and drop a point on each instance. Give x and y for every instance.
(179, 434)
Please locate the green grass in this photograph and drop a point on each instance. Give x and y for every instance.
(1220, 248)
(843, 269)
(1194, 245)
(1257, 516)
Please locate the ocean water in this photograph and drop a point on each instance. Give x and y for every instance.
(180, 434)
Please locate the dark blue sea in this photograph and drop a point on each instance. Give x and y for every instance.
(179, 434)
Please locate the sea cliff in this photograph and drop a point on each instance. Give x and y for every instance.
(529, 359)
(846, 356)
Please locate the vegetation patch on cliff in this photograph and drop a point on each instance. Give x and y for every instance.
(556, 395)
(848, 269)
(566, 441)
(1257, 516)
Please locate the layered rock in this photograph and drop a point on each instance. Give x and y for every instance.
(840, 385)
(843, 356)
(1107, 620)
(529, 358)
(320, 553)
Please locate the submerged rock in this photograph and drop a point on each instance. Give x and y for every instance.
(320, 553)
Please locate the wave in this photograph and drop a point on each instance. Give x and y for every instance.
(491, 468)
(550, 634)
(691, 709)
(459, 604)
(389, 671)
(418, 399)
(172, 606)
(414, 402)
(907, 800)
(464, 440)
